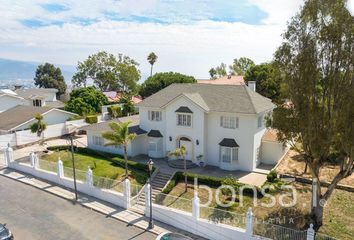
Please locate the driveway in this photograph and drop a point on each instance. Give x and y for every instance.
(32, 214)
(80, 141)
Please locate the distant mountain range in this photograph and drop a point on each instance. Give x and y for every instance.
(14, 72)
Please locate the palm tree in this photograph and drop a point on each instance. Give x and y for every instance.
(120, 136)
(39, 126)
(181, 152)
(152, 59)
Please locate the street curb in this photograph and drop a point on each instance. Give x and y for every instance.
(72, 200)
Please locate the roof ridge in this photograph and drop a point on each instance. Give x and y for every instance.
(249, 96)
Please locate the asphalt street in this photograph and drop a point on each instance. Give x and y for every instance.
(33, 214)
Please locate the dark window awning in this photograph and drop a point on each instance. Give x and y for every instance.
(184, 110)
(136, 129)
(155, 133)
(228, 142)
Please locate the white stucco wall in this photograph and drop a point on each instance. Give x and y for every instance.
(243, 136)
(7, 102)
(272, 152)
(137, 146)
(194, 133)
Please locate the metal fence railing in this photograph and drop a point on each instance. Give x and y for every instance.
(69, 173)
(217, 215)
(174, 202)
(277, 232)
(320, 236)
(107, 183)
(47, 165)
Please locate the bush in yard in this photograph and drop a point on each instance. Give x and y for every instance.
(233, 182)
(115, 111)
(272, 176)
(91, 119)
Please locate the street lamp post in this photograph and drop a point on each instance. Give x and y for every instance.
(150, 164)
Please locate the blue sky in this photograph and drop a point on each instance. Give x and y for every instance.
(188, 36)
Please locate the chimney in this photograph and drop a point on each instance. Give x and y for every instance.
(252, 85)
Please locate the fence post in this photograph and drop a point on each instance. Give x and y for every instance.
(60, 169)
(89, 177)
(32, 160)
(36, 161)
(9, 155)
(196, 206)
(310, 233)
(147, 199)
(126, 192)
(249, 222)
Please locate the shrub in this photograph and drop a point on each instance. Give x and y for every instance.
(60, 148)
(91, 119)
(233, 182)
(114, 111)
(272, 176)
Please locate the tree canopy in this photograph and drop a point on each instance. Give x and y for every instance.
(85, 101)
(316, 62)
(49, 76)
(267, 78)
(108, 72)
(152, 58)
(239, 67)
(161, 80)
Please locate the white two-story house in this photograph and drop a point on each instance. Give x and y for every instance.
(220, 125)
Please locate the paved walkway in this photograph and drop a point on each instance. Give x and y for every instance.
(130, 217)
(251, 178)
(80, 141)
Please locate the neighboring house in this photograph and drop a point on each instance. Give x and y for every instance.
(9, 100)
(21, 117)
(41, 97)
(219, 125)
(225, 80)
(95, 140)
(114, 97)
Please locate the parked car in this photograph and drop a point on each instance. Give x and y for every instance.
(5, 234)
(172, 236)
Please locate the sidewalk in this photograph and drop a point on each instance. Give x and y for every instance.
(131, 218)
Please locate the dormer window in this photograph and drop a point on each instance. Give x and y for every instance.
(37, 103)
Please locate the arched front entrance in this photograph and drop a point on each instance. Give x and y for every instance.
(188, 143)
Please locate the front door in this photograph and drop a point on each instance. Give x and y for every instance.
(189, 146)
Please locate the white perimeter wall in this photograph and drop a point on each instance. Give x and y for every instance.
(272, 152)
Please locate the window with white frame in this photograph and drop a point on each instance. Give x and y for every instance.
(155, 144)
(229, 122)
(184, 120)
(228, 154)
(260, 121)
(155, 115)
(37, 103)
(97, 140)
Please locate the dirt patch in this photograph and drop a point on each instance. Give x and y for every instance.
(294, 164)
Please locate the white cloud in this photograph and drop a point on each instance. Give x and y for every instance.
(350, 6)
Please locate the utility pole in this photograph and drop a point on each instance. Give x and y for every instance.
(73, 160)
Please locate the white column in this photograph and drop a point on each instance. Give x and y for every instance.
(126, 192)
(196, 207)
(147, 199)
(89, 177)
(36, 161)
(60, 169)
(310, 233)
(32, 160)
(249, 222)
(9, 155)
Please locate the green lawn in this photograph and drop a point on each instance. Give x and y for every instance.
(101, 166)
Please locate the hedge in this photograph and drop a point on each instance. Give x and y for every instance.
(91, 119)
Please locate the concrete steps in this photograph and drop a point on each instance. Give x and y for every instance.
(157, 184)
(179, 164)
